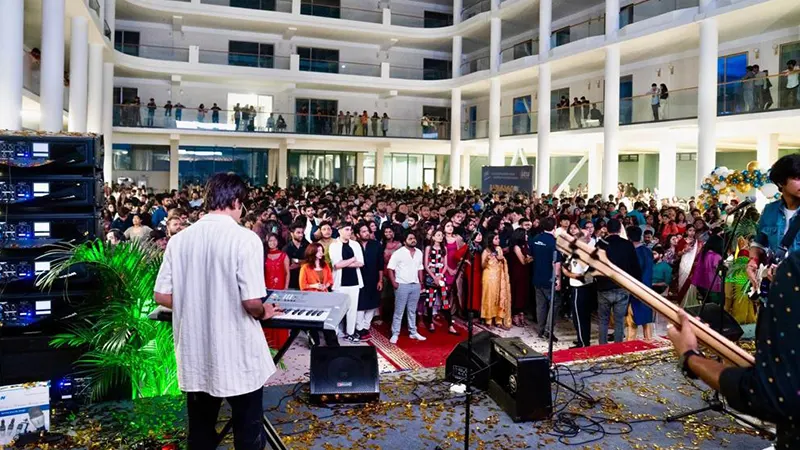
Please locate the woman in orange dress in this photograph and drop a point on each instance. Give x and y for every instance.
(316, 276)
(276, 277)
(496, 301)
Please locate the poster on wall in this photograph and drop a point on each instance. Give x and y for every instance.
(507, 179)
(24, 408)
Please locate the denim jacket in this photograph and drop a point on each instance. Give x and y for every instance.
(771, 227)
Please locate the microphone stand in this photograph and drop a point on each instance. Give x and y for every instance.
(715, 403)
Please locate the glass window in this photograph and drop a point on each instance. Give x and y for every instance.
(318, 59)
(154, 158)
(127, 42)
(436, 19)
(430, 161)
(730, 71)
(320, 168)
(197, 164)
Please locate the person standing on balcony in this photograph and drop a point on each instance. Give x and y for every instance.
(137, 112)
(374, 122)
(792, 74)
(577, 108)
(167, 110)
(748, 89)
(340, 123)
(201, 113)
(655, 101)
(271, 123)
(245, 117)
(151, 112)
(179, 111)
(385, 124)
(251, 126)
(585, 106)
(765, 96)
(215, 113)
(237, 115)
(365, 124)
(348, 121)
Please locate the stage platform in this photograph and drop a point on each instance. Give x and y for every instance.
(417, 411)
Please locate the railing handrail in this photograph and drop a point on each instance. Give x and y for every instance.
(479, 3)
(339, 62)
(276, 113)
(243, 54)
(532, 40)
(602, 16)
(756, 78)
(476, 59)
(311, 3)
(650, 94)
(150, 46)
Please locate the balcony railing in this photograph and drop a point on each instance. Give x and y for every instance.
(476, 65)
(140, 116)
(477, 129)
(262, 5)
(344, 67)
(645, 9)
(574, 117)
(154, 52)
(475, 9)
(517, 124)
(412, 21)
(243, 59)
(416, 73)
(595, 26)
(761, 93)
(679, 104)
(311, 8)
(520, 50)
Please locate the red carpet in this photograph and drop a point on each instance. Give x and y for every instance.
(412, 354)
(600, 351)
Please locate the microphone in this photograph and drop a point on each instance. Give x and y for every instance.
(741, 206)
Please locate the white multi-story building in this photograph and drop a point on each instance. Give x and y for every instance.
(463, 83)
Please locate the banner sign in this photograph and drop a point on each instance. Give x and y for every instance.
(507, 179)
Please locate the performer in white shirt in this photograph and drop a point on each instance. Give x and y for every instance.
(212, 277)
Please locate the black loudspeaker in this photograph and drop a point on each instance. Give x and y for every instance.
(711, 315)
(347, 374)
(520, 380)
(31, 358)
(457, 362)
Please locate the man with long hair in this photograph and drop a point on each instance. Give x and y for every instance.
(212, 277)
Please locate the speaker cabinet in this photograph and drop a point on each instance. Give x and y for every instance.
(718, 319)
(459, 359)
(347, 374)
(520, 380)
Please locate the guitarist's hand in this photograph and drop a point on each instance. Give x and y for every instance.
(682, 336)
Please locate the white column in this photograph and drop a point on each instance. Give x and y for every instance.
(611, 124)
(494, 44)
(11, 58)
(667, 162)
(387, 16)
(78, 74)
(465, 169)
(707, 99)
(458, 5)
(108, 120)
(612, 17)
(379, 154)
(359, 168)
(455, 137)
(543, 129)
(595, 169)
(496, 157)
(766, 155)
(545, 21)
(94, 101)
(174, 162)
(283, 166)
(111, 16)
(457, 46)
(51, 96)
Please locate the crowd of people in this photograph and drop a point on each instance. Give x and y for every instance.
(397, 253)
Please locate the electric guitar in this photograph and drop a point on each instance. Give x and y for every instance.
(760, 289)
(597, 260)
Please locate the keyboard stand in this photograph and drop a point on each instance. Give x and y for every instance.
(273, 439)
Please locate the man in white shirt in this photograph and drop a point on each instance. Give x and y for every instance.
(582, 296)
(405, 273)
(212, 277)
(347, 260)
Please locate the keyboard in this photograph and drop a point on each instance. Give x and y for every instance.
(301, 310)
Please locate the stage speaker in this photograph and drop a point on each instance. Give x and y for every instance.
(347, 374)
(520, 380)
(712, 314)
(459, 359)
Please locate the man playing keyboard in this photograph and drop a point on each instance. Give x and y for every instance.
(212, 277)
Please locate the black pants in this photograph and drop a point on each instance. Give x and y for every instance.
(655, 112)
(330, 338)
(247, 417)
(582, 313)
(448, 316)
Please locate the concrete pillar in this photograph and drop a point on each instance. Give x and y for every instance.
(111, 16)
(359, 168)
(283, 165)
(51, 92)
(707, 99)
(11, 59)
(595, 169)
(78, 74)
(612, 17)
(667, 163)
(465, 169)
(494, 44)
(379, 154)
(296, 7)
(386, 17)
(108, 120)
(174, 161)
(458, 5)
(543, 129)
(545, 22)
(94, 101)
(611, 124)
(294, 62)
(386, 70)
(496, 157)
(194, 54)
(455, 137)
(457, 48)
(766, 155)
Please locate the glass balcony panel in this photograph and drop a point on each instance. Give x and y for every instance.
(520, 50)
(589, 115)
(518, 124)
(416, 73)
(475, 65)
(476, 8)
(311, 8)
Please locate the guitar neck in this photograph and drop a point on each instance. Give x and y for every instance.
(597, 260)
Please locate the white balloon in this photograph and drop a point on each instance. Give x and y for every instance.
(769, 190)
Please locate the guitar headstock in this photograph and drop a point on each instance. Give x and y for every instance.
(593, 257)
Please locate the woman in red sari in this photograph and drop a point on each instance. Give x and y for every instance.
(276, 277)
(474, 273)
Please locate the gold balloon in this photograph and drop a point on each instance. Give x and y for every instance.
(752, 166)
(744, 187)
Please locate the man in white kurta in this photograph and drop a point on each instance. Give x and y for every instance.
(212, 277)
